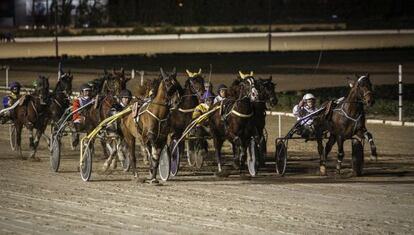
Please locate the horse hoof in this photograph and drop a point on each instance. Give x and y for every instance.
(322, 171)
(235, 165)
(221, 174)
(114, 164)
(153, 181)
(34, 159)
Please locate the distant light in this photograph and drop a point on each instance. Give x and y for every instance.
(180, 4)
(334, 17)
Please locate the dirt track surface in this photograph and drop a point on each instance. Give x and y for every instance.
(33, 200)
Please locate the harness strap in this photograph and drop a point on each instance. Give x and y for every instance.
(241, 114)
(34, 108)
(159, 120)
(57, 102)
(186, 110)
(345, 114)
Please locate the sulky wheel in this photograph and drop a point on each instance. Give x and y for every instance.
(175, 158)
(13, 137)
(191, 152)
(200, 153)
(86, 163)
(55, 153)
(164, 164)
(252, 157)
(357, 157)
(281, 157)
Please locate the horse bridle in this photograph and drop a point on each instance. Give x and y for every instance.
(361, 98)
(193, 89)
(253, 93)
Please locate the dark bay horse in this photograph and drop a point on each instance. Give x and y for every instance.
(60, 97)
(148, 124)
(235, 121)
(189, 99)
(347, 119)
(267, 97)
(104, 89)
(33, 113)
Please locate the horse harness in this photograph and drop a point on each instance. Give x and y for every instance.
(194, 93)
(145, 109)
(345, 114)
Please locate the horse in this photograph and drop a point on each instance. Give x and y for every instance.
(60, 97)
(235, 121)
(346, 120)
(148, 124)
(33, 113)
(267, 97)
(108, 84)
(188, 100)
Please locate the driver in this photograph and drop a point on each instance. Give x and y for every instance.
(306, 106)
(13, 96)
(125, 96)
(9, 100)
(78, 102)
(203, 107)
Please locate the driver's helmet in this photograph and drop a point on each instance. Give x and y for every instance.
(125, 94)
(221, 87)
(15, 85)
(85, 87)
(309, 96)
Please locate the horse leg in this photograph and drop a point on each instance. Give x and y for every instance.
(321, 152)
(35, 144)
(130, 144)
(31, 139)
(218, 144)
(368, 136)
(155, 157)
(106, 154)
(19, 128)
(112, 150)
(243, 156)
(237, 153)
(328, 148)
(340, 143)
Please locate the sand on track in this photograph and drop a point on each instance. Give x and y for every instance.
(33, 200)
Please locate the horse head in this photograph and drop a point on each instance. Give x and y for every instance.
(171, 86)
(42, 88)
(362, 86)
(195, 83)
(65, 83)
(267, 91)
(113, 82)
(248, 86)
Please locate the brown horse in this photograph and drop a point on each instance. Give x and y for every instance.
(149, 124)
(235, 121)
(33, 113)
(267, 97)
(347, 119)
(189, 99)
(60, 97)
